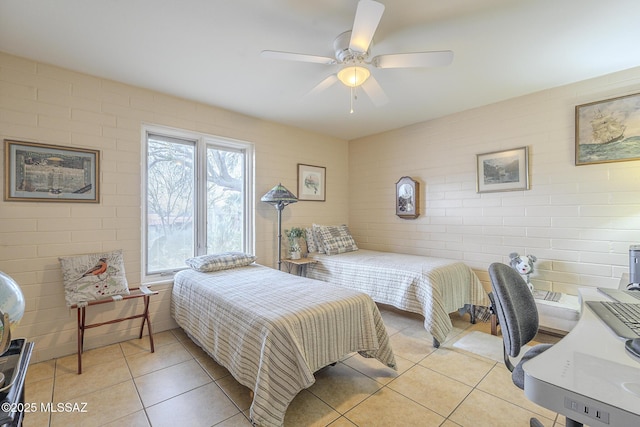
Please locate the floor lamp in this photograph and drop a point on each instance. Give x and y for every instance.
(279, 197)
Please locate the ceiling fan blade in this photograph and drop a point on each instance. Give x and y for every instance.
(368, 15)
(301, 57)
(324, 84)
(373, 89)
(418, 59)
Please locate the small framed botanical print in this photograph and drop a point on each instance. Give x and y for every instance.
(311, 182)
(407, 198)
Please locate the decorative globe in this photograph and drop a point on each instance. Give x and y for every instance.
(11, 299)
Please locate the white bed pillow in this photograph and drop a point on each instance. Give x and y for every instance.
(221, 261)
(92, 277)
(336, 239)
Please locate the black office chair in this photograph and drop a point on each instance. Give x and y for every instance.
(517, 314)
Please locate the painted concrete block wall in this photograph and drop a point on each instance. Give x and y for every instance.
(42, 103)
(578, 220)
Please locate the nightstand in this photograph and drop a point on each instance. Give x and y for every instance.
(301, 264)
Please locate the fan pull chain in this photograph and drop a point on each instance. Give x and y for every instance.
(353, 97)
(351, 101)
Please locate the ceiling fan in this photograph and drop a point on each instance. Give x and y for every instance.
(352, 55)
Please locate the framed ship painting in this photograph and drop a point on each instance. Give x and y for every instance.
(608, 131)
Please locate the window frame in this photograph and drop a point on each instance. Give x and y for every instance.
(201, 143)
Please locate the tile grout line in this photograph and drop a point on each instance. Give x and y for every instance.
(144, 408)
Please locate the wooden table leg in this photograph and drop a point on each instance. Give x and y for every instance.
(81, 319)
(144, 293)
(146, 318)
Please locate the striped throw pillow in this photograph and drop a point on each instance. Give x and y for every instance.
(221, 261)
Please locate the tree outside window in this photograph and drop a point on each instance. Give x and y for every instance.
(195, 201)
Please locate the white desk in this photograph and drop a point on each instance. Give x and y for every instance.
(588, 367)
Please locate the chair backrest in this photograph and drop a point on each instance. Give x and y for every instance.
(515, 307)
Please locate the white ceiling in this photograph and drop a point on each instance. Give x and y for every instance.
(209, 51)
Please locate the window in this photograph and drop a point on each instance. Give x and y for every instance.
(199, 193)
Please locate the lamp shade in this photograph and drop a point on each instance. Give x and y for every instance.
(353, 75)
(279, 196)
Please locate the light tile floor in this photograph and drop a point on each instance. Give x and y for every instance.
(180, 385)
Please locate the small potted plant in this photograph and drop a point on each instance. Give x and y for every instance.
(294, 234)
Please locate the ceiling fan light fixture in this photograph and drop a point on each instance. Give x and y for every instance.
(353, 75)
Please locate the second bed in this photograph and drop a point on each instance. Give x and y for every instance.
(432, 287)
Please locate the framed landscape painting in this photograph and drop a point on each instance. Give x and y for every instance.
(506, 170)
(50, 173)
(608, 131)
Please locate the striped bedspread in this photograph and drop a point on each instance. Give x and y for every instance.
(433, 287)
(273, 330)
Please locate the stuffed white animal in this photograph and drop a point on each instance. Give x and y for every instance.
(523, 265)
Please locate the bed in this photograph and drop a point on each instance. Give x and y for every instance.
(273, 330)
(432, 287)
